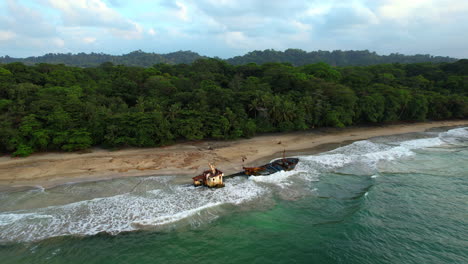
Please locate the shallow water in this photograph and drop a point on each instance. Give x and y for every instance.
(398, 199)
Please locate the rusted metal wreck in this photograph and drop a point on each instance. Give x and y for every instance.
(212, 178)
(284, 164)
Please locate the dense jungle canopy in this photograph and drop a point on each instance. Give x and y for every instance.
(296, 57)
(48, 107)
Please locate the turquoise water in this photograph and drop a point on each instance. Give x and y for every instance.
(400, 199)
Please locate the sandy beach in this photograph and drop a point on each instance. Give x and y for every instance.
(186, 159)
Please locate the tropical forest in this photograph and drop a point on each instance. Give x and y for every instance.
(54, 107)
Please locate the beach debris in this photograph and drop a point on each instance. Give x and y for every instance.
(212, 178)
(244, 158)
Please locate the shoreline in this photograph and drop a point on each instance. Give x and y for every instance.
(187, 159)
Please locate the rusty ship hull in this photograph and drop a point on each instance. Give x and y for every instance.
(212, 178)
(284, 164)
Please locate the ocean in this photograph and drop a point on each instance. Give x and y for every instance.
(394, 199)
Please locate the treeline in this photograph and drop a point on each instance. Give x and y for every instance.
(55, 107)
(299, 57)
(136, 58)
(296, 57)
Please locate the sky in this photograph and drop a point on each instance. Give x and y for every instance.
(227, 28)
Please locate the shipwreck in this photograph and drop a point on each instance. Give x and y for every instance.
(212, 178)
(284, 164)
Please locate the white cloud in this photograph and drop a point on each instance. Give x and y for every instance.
(58, 42)
(301, 26)
(402, 11)
(236, 39)
(95, 13)
(231, 27)
(182, 13)
(427, 11)
(369, 16)
(89, 40)
(152, 32)
(6, 35)
(137, 33)
(242, 43)
(26, 21)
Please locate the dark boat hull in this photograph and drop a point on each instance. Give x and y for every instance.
(286, 164)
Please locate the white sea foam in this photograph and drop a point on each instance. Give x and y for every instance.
(39, 188)
(120, 212)
(167, 219)
(457, 132)
(360, 147)
(357, 158)
(9, 218)
(390, 154)
(457, 136)
(280, 178)
(422, 143)
(363, 157)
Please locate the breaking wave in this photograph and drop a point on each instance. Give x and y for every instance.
(457, 136)
(164, 205)
(365, 157)
(126, 212)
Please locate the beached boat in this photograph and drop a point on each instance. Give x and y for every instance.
(212, 178)
(284, 164)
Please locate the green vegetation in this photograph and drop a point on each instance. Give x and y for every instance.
(299, 57)
(55, 107)
(135, 58)
(295, 57)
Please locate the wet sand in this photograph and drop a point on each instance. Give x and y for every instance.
(186, 159)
